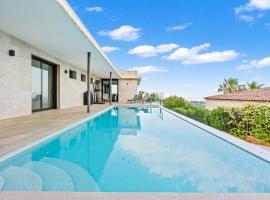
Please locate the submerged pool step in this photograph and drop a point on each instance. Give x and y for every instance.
(20, 179)
(53, 177)
(82, 180)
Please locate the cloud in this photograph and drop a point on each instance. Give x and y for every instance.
(94, 9)
(246, 18)
(109, 49)
(148, 69)
(265, 62)
(267, 25)
(123, 33)
(150, 51)
(193, 55)
(253, 5)
(187, 85)
(179, 27)
(259, 5)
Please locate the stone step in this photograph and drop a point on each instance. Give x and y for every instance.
(53, 177)
(20, 179)
(83, 181)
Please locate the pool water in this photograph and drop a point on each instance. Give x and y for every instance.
(135, 149)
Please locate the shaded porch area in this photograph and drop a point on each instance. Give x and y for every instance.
(18, 132)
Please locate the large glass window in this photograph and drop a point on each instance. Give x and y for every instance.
(43, 90)
(106, 90)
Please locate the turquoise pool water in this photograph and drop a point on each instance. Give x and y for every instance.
(135, 150)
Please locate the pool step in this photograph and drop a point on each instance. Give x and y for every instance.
(20, 179)
(53, 177)
(82, 180)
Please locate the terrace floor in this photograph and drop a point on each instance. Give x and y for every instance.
(20, 131)
(129, 196)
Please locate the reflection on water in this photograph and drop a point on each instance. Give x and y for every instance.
(148, 149)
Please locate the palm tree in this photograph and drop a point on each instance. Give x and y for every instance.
(254, 85)
(230, 85)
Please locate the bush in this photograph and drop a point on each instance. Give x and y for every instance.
(175, 102)
(252, 120)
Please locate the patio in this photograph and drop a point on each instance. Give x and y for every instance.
(18, 132)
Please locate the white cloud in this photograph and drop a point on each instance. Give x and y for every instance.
(148, 69)
(179, 27)
(109, 49)
(247, 18)
(187, 85)
(150, 51)
(94, 9)
(265, 62)
(193, 55)
(123, 33)
(253, 5)
(259, 5)
(267, 25)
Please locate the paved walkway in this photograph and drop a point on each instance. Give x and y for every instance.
(129, 196)
(18, 132)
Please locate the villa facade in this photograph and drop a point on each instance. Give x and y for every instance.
(43, 61)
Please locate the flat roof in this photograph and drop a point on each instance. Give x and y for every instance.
(53, 27)
(262, 95)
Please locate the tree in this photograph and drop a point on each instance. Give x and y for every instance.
(140, 95)
(230, 85)
(254, 85)
(176, 102)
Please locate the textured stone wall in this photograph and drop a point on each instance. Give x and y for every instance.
(16, 77)
(127, 89)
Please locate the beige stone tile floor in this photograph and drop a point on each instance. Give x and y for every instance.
(128, 196)
(18, 132)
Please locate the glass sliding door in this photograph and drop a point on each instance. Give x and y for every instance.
(106, 90)
(43, 85)
(36, 85)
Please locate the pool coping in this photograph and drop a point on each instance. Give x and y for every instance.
(253, 149)
(132, 196)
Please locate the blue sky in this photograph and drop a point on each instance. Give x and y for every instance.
(183, 47)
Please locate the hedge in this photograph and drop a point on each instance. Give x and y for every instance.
(249, 120)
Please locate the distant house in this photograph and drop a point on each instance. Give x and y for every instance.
(236, 99)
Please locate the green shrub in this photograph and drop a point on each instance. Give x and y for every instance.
(253, 120)
(175, 102)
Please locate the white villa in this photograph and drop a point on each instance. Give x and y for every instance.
(44, 62)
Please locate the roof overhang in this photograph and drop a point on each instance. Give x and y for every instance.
(53, 27)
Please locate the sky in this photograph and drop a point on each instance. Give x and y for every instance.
(183, 47)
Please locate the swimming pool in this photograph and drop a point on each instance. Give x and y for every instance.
(135, 149)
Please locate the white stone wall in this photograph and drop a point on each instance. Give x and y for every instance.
(212, 104)
(16, 77)
(127, 89)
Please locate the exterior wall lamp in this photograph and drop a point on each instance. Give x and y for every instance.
(11, 52)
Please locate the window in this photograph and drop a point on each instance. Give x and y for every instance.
(83, 77)
(72, 74)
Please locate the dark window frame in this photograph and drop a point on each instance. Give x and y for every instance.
(72, 74)
(83, 78)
